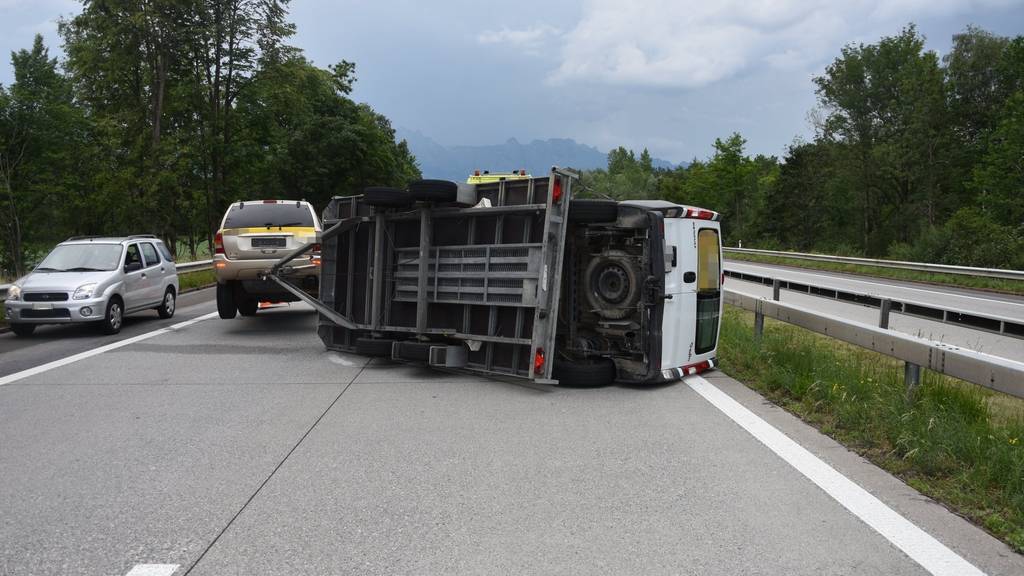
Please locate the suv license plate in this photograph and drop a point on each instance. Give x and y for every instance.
(42, 306)
(268, 242)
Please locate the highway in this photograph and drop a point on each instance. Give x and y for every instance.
(973, 301)
(209, 447)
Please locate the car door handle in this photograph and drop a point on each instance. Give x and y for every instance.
(143, 275)
(162, 270)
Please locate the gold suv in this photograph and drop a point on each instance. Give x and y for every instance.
(253, 236)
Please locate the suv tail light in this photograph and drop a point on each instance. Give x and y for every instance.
(538, 361)
(218, 243)
(556, 190)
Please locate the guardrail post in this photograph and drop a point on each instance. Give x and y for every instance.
(912, 377)
(758, 321)
(883, 313)
(776, 288)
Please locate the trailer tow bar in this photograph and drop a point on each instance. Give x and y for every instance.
(275, 272)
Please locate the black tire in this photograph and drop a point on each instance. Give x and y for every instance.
(248, 306)
(168, 304)
(589, 373)
(114, 317)
(415, 351)
(373, 347)
(434, 190)
(226, 306)
(23, 329)
(383, 197)
(586, 211)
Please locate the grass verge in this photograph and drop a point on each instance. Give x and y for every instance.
(958, 280)
(958, 443)
(197, 279)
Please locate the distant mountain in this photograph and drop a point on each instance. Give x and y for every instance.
(536, 157)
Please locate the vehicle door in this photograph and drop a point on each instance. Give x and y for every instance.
(679, 312)
(154, 273)
(134, 278)
(708, 305)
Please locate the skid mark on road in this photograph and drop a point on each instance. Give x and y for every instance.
(97, 351)
(931, 554)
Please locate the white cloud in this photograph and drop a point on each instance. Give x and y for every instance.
(529, 39)
(693, 43)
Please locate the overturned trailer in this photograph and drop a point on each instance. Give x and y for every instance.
(515, 278)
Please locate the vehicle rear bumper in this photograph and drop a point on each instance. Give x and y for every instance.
(66, 312)
(228, 270)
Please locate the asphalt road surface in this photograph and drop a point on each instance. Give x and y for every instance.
(960, 299)
(242, 447)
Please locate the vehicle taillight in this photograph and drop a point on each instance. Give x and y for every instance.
(218, 243)
(522, 172)
(696, 368)
(700, 214)
(538, 361)
(556, 190)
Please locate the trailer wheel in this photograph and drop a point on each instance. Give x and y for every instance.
(586, 373)
(433, 190)
(373, 347)
(587, 211)
(383, 197)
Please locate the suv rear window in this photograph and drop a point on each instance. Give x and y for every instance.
(268, 215)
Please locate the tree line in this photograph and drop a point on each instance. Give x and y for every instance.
(913, 157)
(166, 111)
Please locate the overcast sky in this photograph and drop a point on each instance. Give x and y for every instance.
(669, 75)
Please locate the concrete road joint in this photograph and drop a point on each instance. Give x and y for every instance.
(272, 472)
(920, 546)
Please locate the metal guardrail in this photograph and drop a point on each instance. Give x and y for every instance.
(919, 266)
(1003, 326)
(182, 267)
(986, 370)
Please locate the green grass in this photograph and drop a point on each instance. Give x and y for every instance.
(958, 443)
(959, 280)
(198, 279)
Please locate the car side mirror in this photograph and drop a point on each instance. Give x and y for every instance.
(132, 266)
(689, 277)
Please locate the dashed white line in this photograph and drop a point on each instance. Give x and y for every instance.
(152, 570)
(96, 351)
(931, 554)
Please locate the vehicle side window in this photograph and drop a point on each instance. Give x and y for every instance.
(165, 252)
(152, 259)
(132, 255)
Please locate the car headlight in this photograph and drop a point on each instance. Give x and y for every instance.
(84, 291)
(14, 292)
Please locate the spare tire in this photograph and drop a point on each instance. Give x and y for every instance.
(434, 190)
(373, 347)
(612, 284)
(383, 197)
(588, 211)
(584, 373)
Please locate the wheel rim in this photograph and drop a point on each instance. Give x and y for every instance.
(612, 283)
(115, 316)
(169, 303)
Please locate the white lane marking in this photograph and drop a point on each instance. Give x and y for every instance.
(837, 276)
(95, 351)
(152, 570)
(931, 554)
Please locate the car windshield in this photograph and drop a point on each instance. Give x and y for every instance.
(82, 258)
(268, 215)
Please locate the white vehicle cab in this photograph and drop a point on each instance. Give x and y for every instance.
(95, 279)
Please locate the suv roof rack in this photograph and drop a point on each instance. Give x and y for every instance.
(111, 237)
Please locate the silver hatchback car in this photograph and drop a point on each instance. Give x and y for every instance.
(95, 279)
